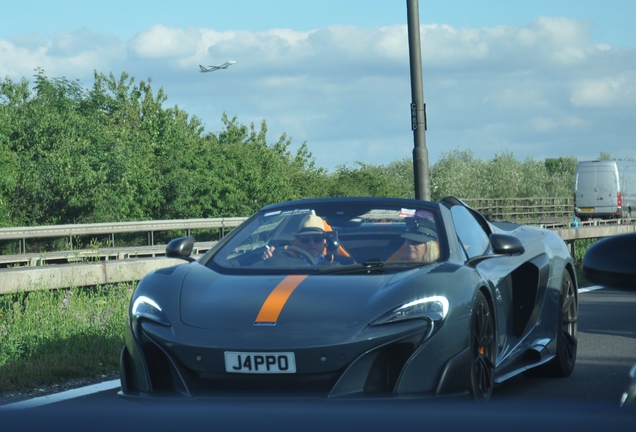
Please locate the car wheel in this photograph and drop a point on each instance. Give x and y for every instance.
(563, 364)
(482, 348)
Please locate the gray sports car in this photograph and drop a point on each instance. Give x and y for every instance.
(348, 297)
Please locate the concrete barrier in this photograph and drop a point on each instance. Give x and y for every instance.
(79, 274)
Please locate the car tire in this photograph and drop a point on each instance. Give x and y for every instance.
(563, 364)
(482, 349)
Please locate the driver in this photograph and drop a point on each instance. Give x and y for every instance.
(310, 237)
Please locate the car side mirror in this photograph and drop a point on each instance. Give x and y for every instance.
(181, 248)
(501, 245)
(612, 261)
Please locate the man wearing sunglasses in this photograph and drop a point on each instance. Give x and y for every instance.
(309, 237)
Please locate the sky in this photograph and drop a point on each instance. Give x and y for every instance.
(540, 79)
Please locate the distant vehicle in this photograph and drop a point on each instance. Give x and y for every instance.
(216, 67)
(604, 189)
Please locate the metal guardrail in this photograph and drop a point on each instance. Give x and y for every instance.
(527, 209)
(93, 255)
(112, 228)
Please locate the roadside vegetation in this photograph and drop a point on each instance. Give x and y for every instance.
(113, 153)
(51, 336)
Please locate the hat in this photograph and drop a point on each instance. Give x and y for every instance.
(416, 231)
(311, 224)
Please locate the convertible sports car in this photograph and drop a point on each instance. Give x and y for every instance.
(349, 297)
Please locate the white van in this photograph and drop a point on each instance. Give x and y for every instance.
(604, 189)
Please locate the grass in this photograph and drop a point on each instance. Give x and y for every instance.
(49, 337)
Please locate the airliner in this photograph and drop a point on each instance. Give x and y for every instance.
(217, 67)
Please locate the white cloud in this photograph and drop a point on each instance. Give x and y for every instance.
(162, 42)
(543, 89)
(608, 91)
(74, 55)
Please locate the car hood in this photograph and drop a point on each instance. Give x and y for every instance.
(235, 303)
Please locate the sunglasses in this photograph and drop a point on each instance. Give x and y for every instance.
(413, 242)
(311, 238)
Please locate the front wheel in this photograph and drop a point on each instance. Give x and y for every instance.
(482, 348)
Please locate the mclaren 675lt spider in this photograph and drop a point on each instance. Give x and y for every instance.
(355, 297)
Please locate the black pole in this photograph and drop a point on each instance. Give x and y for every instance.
(418, 107)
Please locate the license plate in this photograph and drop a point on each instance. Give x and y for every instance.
(587, 210)
(260, 363)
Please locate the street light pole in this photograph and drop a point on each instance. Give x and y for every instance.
(418, 107)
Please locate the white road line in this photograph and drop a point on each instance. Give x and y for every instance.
(62, 396)
(591, 288)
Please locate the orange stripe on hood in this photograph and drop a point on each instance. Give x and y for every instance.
(276, 300)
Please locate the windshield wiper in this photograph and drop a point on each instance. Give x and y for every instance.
(368, 267)
(372, 266)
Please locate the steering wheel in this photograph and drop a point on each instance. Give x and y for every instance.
(301, 251)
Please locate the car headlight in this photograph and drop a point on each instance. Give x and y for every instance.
(147, 308)
(433, 308)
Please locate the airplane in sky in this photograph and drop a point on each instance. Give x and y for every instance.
(217, 67)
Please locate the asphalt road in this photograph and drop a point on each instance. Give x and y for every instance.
(588, 399)
(606, 352)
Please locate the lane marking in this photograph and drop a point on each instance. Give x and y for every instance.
(591, 288)
(276, 300)
(65, 395)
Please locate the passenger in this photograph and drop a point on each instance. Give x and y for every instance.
(420, 244)
(310, 237)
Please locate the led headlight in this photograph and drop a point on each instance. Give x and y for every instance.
(433, 308)
(147, 308)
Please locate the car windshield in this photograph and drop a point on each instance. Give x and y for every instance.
(320, 236)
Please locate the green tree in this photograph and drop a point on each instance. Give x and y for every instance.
(42, 131)
(236, 173)
(114, 152)
(457, 173)
(367, 180)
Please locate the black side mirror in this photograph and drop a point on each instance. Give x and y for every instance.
(502, 245)
(612, 261)
(181, 248)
